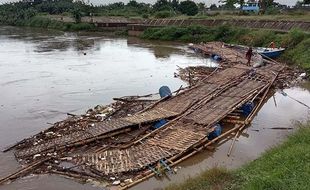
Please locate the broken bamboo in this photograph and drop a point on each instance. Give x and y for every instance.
(24, 171)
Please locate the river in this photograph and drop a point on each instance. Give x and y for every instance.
(45, 74)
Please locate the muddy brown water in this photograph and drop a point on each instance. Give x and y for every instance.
(45, 74)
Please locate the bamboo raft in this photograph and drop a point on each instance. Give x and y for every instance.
(97, 147)
(182, 134)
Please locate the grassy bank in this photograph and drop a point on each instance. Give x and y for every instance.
(43, 22)
(296, 41)
(286, 166)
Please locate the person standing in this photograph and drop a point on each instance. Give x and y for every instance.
(248, 55)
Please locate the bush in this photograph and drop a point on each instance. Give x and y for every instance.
(294, 37)
(188, 7)
(163, 14)
(81, 26)
(146, 16)
(258, 38)
(299, 55)
(272, 10)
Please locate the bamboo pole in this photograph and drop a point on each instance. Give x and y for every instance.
(149, 174)
(251, 116)
(24, 171)
(233, 142)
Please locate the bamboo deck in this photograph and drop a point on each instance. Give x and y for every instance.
(182, 134)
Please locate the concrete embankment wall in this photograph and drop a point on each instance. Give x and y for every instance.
(136, 29)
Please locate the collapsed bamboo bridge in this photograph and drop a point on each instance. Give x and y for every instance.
(118, 143)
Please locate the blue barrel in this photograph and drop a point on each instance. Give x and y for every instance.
(159, 123)
(247, 108)
(164, 91)
(216, 57)
(216, 132)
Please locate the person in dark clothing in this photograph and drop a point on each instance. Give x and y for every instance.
(248, 55)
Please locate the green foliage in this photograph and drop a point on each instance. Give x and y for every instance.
(294, 37)
(299, 55)
(77, 15)
(265, 4)
(12, 14)
(163, 14)
(272, 10)
(258, 38)
(175, 4)
(213, 7)
(188, 7)
(195, 33)
(162, 5)
(44, 22)
(80, 26)
(146, 16)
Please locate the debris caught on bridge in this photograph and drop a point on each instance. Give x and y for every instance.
(119, 144)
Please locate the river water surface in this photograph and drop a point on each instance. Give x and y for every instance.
(46, 74)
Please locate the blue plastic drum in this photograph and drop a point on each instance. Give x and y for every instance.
(164, 91)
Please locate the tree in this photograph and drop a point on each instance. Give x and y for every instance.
(201, 7)
(188, 7)
(306, 1)
(175, 4)
(229, 3)
(264, 4)
(213, 7)
(241, 2)
(133, 3)
(161, 5)
(77, 15)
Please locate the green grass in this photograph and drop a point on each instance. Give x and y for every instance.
(286, 166)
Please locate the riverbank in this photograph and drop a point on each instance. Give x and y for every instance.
(283, 167)
(296, 41)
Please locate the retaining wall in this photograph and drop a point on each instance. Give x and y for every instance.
(282, 25)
